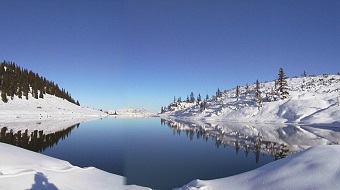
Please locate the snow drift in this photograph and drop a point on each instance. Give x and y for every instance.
(315, 168)
(23, 169)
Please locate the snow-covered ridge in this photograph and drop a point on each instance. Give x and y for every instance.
(128, 112)
(312, 100)
(49, 114)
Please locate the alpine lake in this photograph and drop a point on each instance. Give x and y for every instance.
(163, 154)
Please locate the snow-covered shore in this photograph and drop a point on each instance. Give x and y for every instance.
(312, 100)
(23, 169)
(315, 168)
(50, 114)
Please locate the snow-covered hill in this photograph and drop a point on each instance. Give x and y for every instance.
(49, 114)
(312, 100)
(128, 112)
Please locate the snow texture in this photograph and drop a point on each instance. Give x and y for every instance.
(23, 169)
(315, 168)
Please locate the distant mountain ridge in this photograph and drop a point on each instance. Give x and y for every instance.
(131, 112)
(311, 100)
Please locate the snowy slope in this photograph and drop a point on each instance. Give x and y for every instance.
(49, 114)
(23, 169)
(315, 168)
(312, 100)
(128, 112)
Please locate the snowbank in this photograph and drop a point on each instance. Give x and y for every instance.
(23, 169)
(315, 168)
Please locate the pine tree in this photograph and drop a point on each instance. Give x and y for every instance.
(282, 85)
(203, 105)
(258, 98)
(199, 99)
(218, 93)
(192, 97)
(207, 97)
(4, 97)
(237, 92)
(247, 89)
(41, 95)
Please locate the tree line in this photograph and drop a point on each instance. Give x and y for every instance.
(17, 81)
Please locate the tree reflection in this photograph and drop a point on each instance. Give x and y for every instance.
(255, 144)
(35, 141)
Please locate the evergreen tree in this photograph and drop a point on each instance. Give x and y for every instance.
(203, 105)
(41, 95)
(247, 89)
(258, 98)
(282, 85)
(218, 93)
(187, 100)
(207, 97)
(237, 92)
(199, 99)
(192, 97)
(4, 97)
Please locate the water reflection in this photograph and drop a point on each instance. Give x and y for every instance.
(35, 141)
(277, 140)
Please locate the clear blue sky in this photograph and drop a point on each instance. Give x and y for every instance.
(113, 54)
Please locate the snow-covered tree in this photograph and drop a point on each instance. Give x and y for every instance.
(282, 87)
(218, 93)
(247, 89)
(203, 105)
(237, 92)
(258, 98)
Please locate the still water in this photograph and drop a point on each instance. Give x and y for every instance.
(150, 154)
